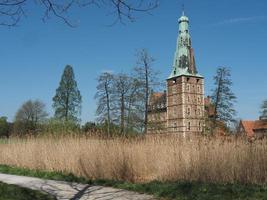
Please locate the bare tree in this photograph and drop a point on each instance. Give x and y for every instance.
(12, 11)
(122, 88)
(148, 79)
(30, 115)
(134, 106)
(105, 97)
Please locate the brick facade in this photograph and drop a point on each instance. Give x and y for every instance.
(181, 109)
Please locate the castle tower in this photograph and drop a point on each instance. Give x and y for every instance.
(185, 87)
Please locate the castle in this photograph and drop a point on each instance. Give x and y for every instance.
(180, 109)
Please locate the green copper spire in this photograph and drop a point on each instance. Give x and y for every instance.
(184, 60)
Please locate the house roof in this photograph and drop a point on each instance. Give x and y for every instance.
(248, 127)
(260, 125)
(157, 97)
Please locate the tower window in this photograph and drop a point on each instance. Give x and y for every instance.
(187, 79)
(188, 126)
(199, 126)
(188, 111)
(197, 80)
(188, 87)
(198, 88)
(188, 99)
(174, 101)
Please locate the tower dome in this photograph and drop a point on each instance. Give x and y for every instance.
(183, 18)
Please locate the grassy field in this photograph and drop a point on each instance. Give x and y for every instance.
(139, 160)
(162, 190)
(11, 192)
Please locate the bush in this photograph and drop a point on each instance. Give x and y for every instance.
(55, 126)
(4, 127)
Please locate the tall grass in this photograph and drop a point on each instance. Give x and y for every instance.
(164, 158)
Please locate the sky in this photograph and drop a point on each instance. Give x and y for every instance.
(231, 33)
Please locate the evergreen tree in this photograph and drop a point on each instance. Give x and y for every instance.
(264, 110)
(223, 98)
(67, 101)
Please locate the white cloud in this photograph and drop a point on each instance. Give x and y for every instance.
(241, 20)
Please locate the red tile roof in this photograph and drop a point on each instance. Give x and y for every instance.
(260, 125)
(248, 127)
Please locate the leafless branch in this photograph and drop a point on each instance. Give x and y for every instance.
(11, 11)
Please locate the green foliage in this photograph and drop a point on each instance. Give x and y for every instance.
(12, 192)
(4, 127)
(67, 101)
(163, 190)
(198, 191)
(56, 126)
(89, 127)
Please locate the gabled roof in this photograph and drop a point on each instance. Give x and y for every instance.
(248, 127)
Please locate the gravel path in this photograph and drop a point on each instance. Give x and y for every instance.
(73, 191)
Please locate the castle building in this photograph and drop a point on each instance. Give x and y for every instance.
(180, 109)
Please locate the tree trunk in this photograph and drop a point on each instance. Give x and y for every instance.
(218, 98)
(146, 98)
(122, 114)
(108, 107)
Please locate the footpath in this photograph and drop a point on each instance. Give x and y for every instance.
(72, 191)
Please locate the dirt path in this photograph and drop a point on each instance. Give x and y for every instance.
(73, 191)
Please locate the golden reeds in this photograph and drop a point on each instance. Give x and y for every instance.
(164, 158)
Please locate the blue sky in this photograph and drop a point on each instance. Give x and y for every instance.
(230, 33)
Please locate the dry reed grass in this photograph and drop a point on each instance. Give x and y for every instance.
(143, 159)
